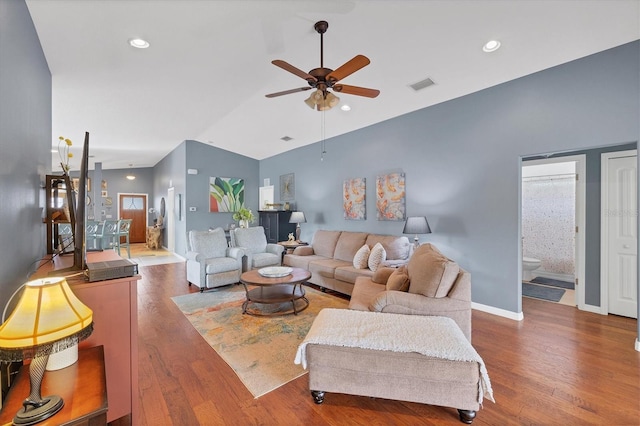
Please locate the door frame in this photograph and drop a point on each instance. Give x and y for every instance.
(170, 220)
(580, 218)
(604, 223)
(146, 205)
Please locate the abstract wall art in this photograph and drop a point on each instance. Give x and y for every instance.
(225, 194)
(353, 198)
(390, 197)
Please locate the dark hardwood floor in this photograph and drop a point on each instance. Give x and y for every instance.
(559, 366)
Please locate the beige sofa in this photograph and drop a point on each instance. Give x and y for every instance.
(330, 256)
(430, 284)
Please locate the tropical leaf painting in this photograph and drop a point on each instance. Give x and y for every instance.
(225, 194)
(390, 197)
(353, 199)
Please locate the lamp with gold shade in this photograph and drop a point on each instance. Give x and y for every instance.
(48, 318)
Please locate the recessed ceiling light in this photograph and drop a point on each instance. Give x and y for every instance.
(345, 107)
(491, 46)
(139, 43)
(55, 151)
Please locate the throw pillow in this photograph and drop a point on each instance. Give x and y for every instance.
(376, 257)
(361, 259)
(382, 275)
(398, 280)
(430, 272)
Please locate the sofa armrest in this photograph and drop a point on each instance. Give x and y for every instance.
(303, 251)
(275, 249)
(235, 252)
(409, 303)
(196, 257)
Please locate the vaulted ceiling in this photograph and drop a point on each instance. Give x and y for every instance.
(208, 68)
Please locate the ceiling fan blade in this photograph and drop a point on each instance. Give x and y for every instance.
(293, 70)
(355, 90)
(286, 92)
(359, 61)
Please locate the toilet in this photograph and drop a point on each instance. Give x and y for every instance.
(529, 264)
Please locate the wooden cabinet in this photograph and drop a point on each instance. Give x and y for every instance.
(115, 316)
(276, 225)
(82, 386)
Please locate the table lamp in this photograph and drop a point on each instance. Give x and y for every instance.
(297, 218)
(416, 225)
(48, 318)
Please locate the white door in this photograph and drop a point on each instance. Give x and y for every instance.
(171, 221)
(620, 215)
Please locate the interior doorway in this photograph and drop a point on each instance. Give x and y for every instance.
(552, 229)
(134, 207)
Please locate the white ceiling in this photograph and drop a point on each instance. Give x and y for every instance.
(208, 68)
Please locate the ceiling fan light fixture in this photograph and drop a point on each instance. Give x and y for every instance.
(310, 101)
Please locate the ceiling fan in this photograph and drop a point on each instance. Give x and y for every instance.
(322, 79)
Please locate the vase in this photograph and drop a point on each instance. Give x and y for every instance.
(244, 223)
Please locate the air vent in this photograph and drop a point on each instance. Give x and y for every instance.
(286, 138)
(422, 84)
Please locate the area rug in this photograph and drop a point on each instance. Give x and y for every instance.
(554, 283)
(260, 350)
(542, 292)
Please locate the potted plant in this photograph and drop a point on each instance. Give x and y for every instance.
(244, 216)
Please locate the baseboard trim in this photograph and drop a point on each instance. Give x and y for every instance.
(554, 276)
(516, 316)
(593, 309)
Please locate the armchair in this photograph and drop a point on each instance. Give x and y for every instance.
(254, 243)
(430, 284)
(210, 262)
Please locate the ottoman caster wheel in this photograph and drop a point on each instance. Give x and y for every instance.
(318, 396)
(467, 416)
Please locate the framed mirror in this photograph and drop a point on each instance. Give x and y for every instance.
(162, 207)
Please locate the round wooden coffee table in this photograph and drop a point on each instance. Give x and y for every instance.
(270, 291)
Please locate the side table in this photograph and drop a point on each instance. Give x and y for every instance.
(82, 386)
(290, 246)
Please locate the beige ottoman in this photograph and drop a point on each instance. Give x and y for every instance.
(403, 357)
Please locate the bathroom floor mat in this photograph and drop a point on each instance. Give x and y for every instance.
(553, 283)
(542, 292)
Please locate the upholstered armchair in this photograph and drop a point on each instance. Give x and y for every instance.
(210, 261)
(254, 243)
(430, 284)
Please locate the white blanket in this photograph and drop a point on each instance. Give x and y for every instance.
(437, 337)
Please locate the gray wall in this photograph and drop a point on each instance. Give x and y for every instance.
(462, 161)
(210, 161)
(118, 183)
(170, 172)
(25, 141)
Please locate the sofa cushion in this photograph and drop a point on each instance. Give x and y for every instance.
(253, 239)
(348, 244)
(221, 264)
(361, 258)
(430, 272)
(260, 260)
(396, 247)
(381, 275)
(324, 242)
(326, 268)
(296, 261)
(209, 243)
(349, 273)
(398, 280)
(377, 256)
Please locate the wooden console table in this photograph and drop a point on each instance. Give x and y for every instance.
(115, 316)
(82, 386)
